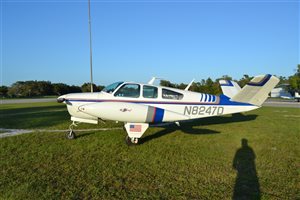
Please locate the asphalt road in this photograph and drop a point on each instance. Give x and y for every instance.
(269, 102)
(282, 103)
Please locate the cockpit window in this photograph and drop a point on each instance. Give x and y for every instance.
(149, 91)
(129, 90)
(169, 94)
(111, 88)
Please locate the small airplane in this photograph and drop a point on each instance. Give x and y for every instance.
(138, 104)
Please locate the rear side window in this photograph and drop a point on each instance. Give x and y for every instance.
(169, 94)
(129, 90)
(149, 91)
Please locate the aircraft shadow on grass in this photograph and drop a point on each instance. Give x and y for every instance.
(188, 126)
(85, 134)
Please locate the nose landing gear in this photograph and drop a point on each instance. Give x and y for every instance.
(71, 134)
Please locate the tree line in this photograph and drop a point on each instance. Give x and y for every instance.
(213, 87)
(45, 88)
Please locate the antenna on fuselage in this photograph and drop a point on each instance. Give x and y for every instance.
(91, 57)
(189, 85)
(153, 79)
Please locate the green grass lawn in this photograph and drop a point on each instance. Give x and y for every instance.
(203, 159)
(34, 97)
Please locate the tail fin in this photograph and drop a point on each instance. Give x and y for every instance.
(257, 90)
(229, 88)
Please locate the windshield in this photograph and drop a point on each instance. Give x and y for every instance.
(111, 88)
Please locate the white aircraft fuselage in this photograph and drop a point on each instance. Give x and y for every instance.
(138, 105)
(193, 105)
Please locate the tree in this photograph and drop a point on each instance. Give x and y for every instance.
(86, 87)
(3, 91)
(30, 89)
(60, 88)
(100, 87)
(181, 86)
(17, 89)
(283, 80)
(226, 77)
(74, 89)
(294, 81)
(243, 81)
(166, 83)
(195, 87)
(44, 88)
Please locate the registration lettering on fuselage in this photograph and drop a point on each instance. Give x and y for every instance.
(203, 110)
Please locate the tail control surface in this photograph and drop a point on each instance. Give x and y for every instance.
(229, 88)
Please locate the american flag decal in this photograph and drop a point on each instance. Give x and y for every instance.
(135, 128)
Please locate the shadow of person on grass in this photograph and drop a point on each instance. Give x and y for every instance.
(246, 183)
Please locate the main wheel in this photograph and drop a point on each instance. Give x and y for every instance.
(131, 141)
(70, 135)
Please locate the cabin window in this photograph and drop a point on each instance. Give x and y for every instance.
(149, 91)
(129, 90)
(169, 94)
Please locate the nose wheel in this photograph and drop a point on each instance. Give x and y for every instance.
(131, 141)
(71, 134)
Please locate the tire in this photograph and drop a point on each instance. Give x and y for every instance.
(70, 135)
(129, 142)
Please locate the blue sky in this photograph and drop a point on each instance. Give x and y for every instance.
(135, 40)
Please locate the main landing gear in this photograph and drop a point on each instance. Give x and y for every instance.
(131, 140)
(71, 134)
(134, 132)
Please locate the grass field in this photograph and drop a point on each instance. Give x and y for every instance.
(203, 159)
(34, 97)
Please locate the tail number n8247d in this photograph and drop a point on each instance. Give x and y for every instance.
(202, 110)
